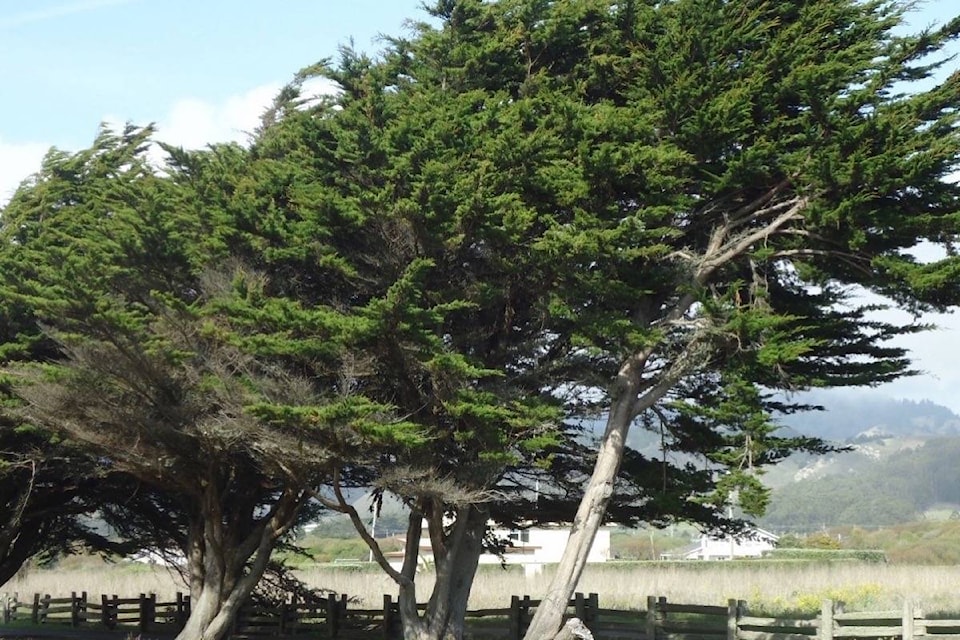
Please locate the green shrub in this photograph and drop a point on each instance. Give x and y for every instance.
(827, 555)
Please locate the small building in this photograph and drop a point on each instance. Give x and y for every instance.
(531, 547)
(752, 543)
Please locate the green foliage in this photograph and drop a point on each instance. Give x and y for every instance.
(116, 355)
(828, 555)
(920, 542)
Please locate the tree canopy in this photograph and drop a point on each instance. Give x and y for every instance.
(139, 372)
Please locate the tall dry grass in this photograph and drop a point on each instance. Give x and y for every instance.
(767, 587)
(96, 577)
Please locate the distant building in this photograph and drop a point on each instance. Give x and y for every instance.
(752, 543)
(531, 548)
(166, 558)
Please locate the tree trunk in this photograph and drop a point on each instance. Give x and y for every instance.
(14, 557)
(413, 627)
(456, 561)
(203, 611)
(548, 618)
(15, 553)
(447, 611)
(225, 568)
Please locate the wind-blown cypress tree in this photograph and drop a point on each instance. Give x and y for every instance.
(140, 371)
(658, 210)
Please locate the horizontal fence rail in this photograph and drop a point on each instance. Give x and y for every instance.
(337, 617)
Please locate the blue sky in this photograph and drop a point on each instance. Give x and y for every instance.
(204, 70)
(67, 64)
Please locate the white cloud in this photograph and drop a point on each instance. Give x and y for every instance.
(193, 123)
(189, 122)
(17, 162)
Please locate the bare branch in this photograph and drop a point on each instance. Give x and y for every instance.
(342, 506)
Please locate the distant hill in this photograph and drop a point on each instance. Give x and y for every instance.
(902, 463)
(880, 482)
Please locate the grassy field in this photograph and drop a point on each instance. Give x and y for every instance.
(773, 588)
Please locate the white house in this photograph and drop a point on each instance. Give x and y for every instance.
(531, 548)
(750, 544)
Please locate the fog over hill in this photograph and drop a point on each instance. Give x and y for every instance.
(849, 413)
(901, 465)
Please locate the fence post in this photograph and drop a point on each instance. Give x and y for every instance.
(10, 603)
(183, 610)
(651, 618)
(147, 611)
(593, 607)
(44, 608)
(333, 615)
(525, 606)
(35, 612)
(178, 610)
(83, 607)
(293, 613)
(826, 620)
(908, 630)
(515, 631)
(387, 616)
(733, 618)
(580, 606)
(284, 612)
(74, 609)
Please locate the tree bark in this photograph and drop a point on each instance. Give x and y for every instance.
(446, 612)
(225, 568)
(456, 558)
(406, 579)
(14, 554)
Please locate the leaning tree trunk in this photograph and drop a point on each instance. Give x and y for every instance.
(777, 209)
(547, 620)
(17, 545)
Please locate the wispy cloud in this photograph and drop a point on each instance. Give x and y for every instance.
(58, 11)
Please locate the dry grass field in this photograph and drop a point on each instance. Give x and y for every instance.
(767, 587)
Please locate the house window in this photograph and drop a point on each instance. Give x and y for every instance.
(519, 536)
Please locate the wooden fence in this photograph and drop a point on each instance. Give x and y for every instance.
(338, 618)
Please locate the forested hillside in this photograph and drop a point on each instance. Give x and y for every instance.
(901, 462)
(876, 490)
